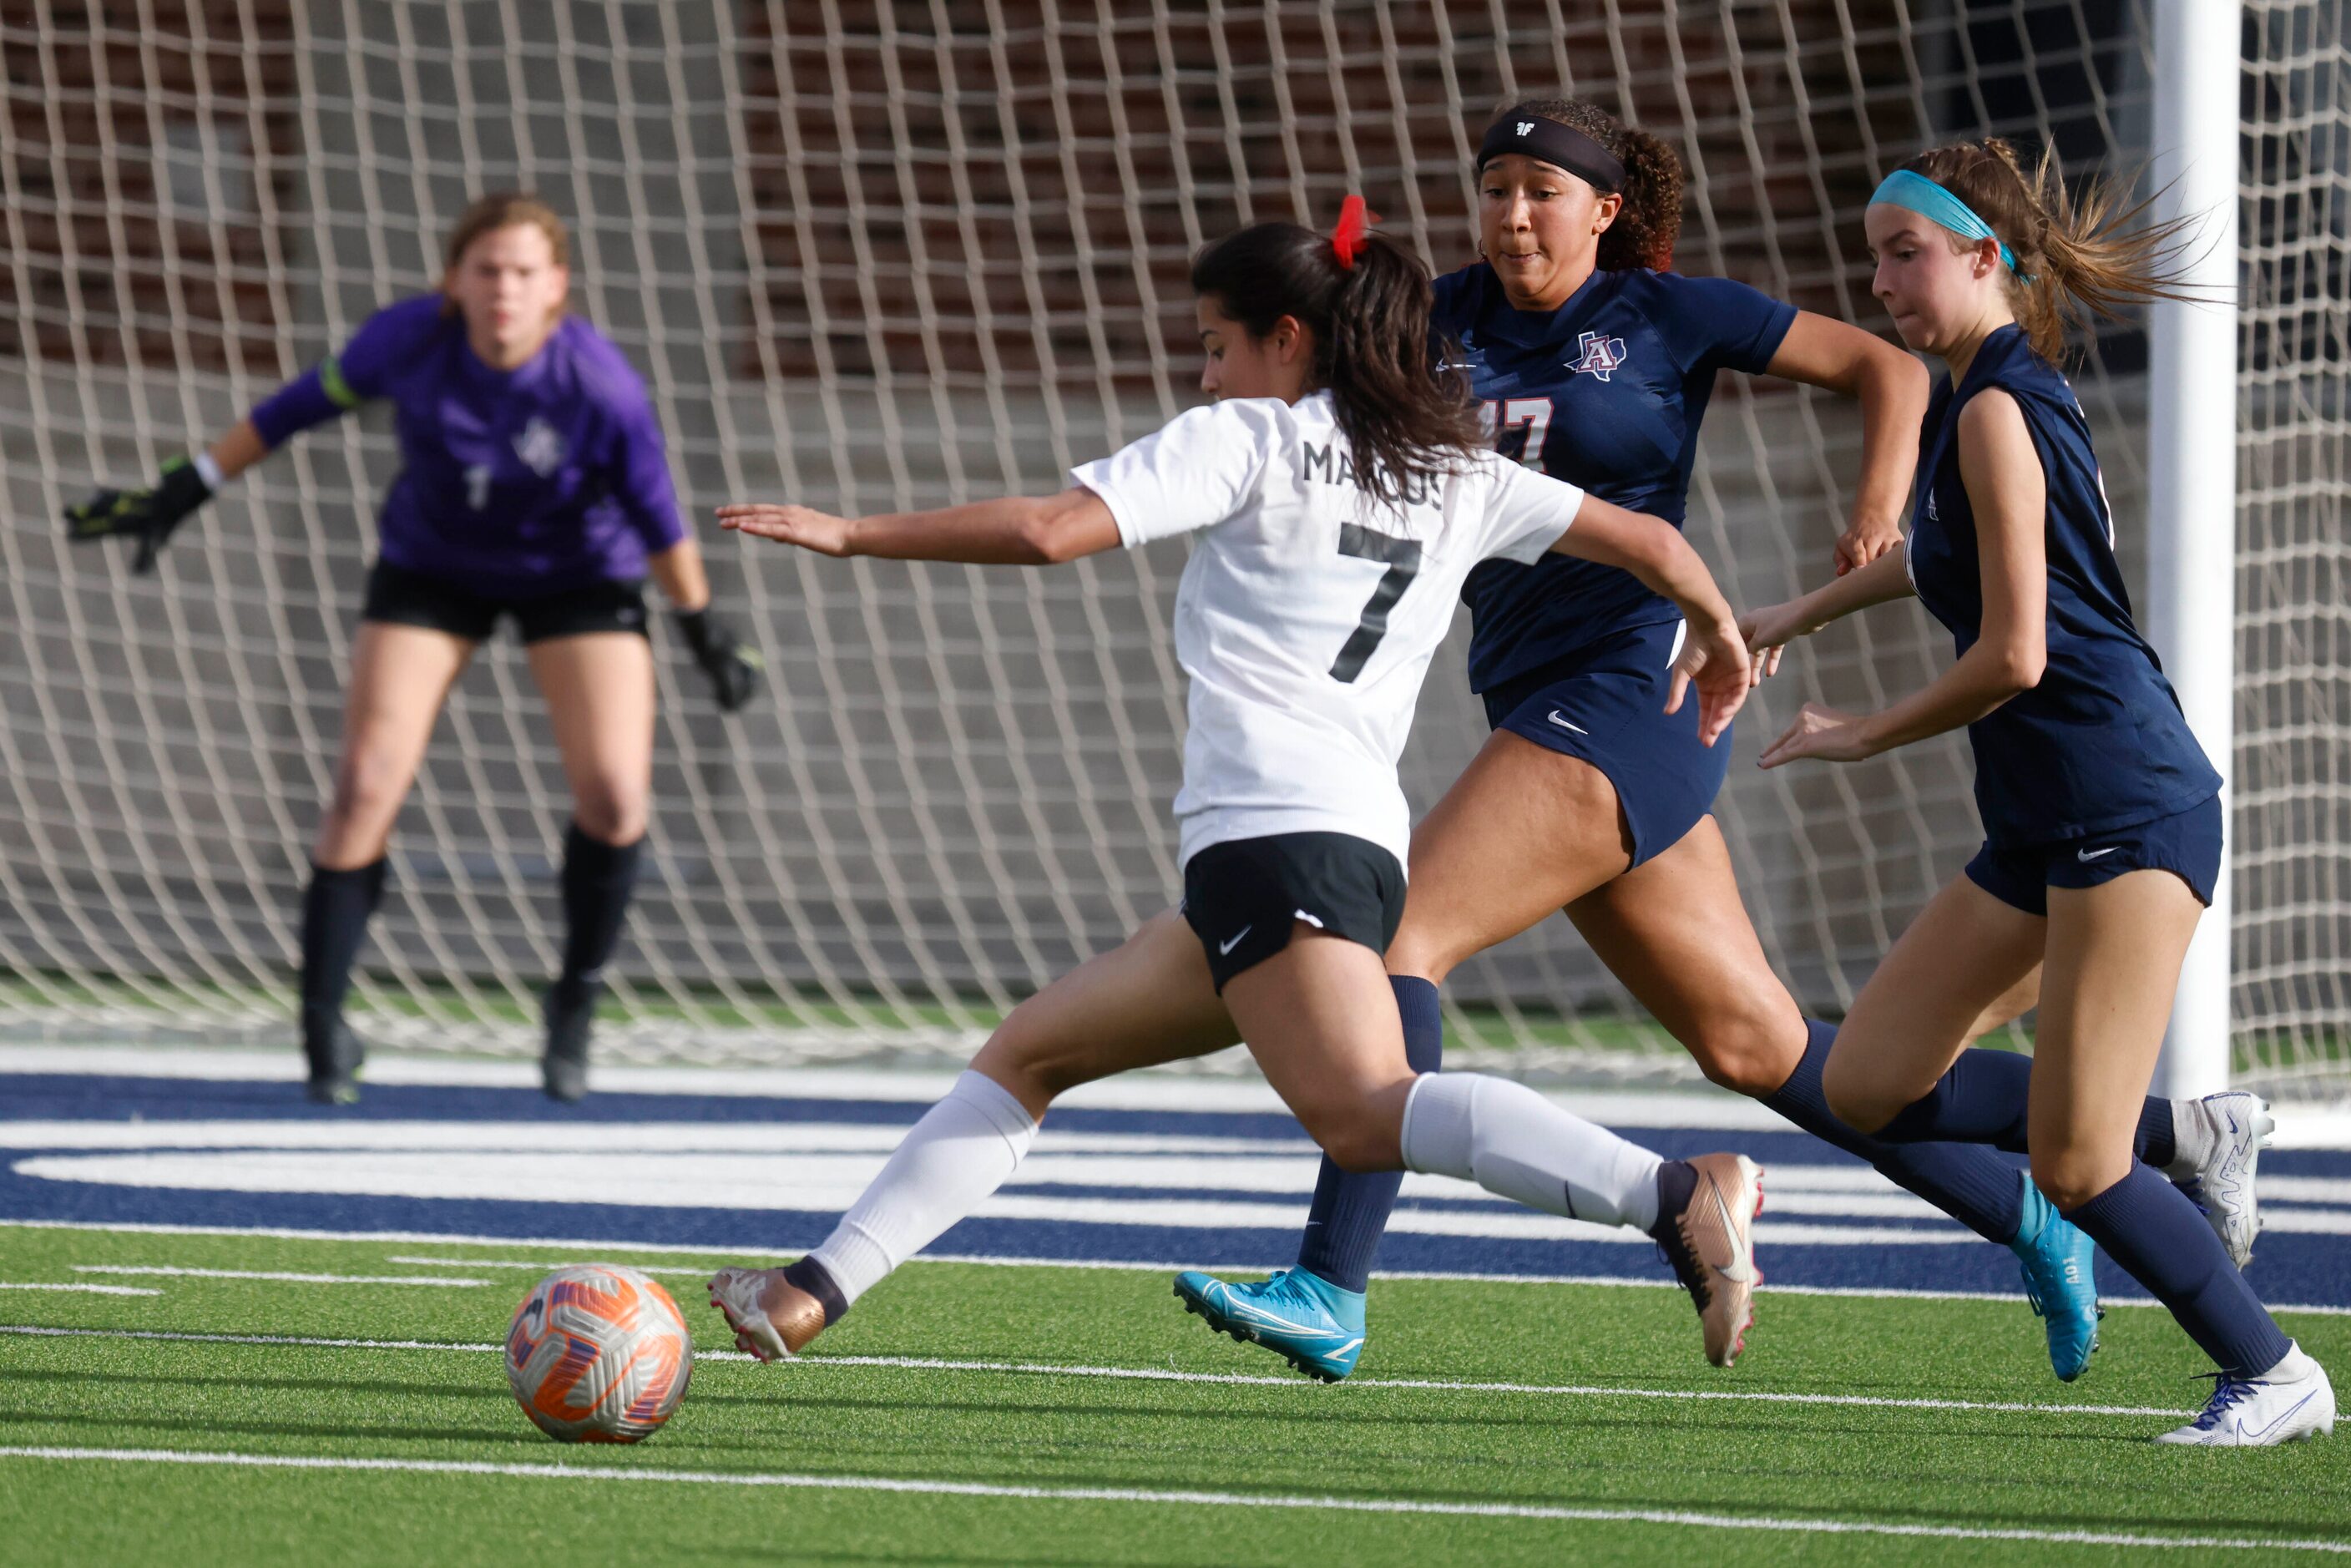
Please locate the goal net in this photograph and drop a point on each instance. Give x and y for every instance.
(893, 255)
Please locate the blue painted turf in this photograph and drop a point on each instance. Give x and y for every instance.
(2289, 1267)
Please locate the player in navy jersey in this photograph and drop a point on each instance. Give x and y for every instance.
(532, 484)
(2102, 816)
(1596, 365)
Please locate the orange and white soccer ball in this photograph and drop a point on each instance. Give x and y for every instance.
(598, 1353)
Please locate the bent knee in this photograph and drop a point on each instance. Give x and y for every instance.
(1750, 1056)
(612, 812)
(1861, 1103)
(2070, 1177)
(1358, 1141)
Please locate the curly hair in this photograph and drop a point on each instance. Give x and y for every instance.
(1651, 219)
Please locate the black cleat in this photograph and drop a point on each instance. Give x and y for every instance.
(334, 1063)
(571, 1013)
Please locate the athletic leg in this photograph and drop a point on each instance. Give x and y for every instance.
(1473, 885)
(1324, 1031)
(401, 676)
(599, 688)
(1149, 1000)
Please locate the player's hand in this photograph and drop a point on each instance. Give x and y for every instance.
(1768, 632)
(149, 514)
(732, 664)
(801, 526)
(1713, 659)
(1865, 542)
(1823, 733)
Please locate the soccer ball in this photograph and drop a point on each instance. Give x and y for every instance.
(598, 1353)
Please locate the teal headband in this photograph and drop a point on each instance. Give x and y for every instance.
(1903, 188)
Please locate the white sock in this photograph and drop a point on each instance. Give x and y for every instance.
(950, 1163)
(1517, 1144)
(2191, 1139)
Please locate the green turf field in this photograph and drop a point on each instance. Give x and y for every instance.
(1585, 1432)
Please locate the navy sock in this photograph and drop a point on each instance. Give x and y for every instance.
(2155, 1233)
(598, 878)
(813, 1277)
(1971, 1184)
(1351, 1208)
(335, 911)
(1982, 1100)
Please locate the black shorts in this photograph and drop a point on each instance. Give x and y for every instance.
(400, 597)
(1243, 897)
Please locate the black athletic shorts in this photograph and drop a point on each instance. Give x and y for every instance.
(1245, 897)
(405, 598)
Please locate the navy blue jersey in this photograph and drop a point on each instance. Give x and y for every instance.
(1605, 393)
(2100, 743)
(511, 483)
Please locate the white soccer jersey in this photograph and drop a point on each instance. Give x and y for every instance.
(1308, 613)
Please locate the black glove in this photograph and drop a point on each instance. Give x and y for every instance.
(151, 513)
(733, 665)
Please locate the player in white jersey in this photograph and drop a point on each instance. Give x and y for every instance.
(1340, 494)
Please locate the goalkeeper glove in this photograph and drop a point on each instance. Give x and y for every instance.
(732, 664)
(151, 514)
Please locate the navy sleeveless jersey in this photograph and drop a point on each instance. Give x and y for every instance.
(511, 483)
(1605, 393)
(2100, 743)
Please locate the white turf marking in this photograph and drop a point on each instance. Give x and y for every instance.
(762, 1249)
(160, 1269)
(1168, 1374)
(85, 1290)
(1548, 1513)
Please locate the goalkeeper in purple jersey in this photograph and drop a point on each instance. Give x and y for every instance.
(532, 485)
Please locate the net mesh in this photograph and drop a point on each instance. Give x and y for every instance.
(896, 256)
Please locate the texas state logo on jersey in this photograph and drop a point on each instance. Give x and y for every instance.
(1601, 354)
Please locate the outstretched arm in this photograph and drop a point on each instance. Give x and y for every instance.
(1770, 630)
(1019, 530)
(1892, 387)
(2010, 497)
(150, 513)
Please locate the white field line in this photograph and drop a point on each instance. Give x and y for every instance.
(763, 1250)
(1168, 1374)
(85, 1290)
(1546, 1512)
(442, 1281)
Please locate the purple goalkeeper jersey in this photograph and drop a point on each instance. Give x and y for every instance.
(512, 482)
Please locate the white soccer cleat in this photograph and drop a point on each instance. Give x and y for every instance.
(2293, 1400)
(2233, 1129)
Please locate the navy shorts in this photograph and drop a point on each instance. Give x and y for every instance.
(2188, 845)
(1243, 898)
(1606, 705)
(399, 596)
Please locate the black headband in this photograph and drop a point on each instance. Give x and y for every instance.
(1549, 141)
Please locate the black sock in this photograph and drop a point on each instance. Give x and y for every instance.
(1351, 1208)
(2156, 1234)
(598, 878)
(335, 911)
(1677, 1180)
(1982, 1100)
(812, 1277)
(1971, 1184)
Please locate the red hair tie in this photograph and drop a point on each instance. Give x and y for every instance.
(1356, 220)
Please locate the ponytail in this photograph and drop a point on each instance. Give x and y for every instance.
(1369, 315)
(2077, 256)
(1650, 221)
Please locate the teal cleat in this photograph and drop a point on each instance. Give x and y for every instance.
(1299, 1316)
(2058, 1282)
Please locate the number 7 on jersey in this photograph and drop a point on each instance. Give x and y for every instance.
(1403, 558)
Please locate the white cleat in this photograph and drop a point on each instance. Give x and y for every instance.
(2233, 1128)
(2291, 1401)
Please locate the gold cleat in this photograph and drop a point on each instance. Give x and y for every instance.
(1711, 1245)
(772, 1318)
